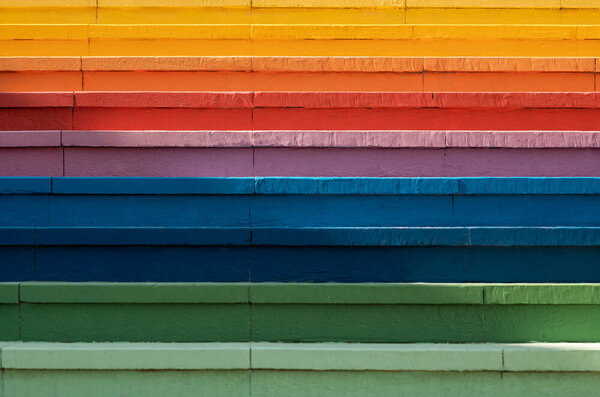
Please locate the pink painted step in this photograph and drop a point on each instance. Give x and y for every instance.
(300, 153)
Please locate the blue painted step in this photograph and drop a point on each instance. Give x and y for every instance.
(455, 254)
(299, 202)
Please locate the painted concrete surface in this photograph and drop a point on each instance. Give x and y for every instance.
(302, 383)
(296, 110)
(126, 356)
(308, 383)
(299, 202)
(299, 229)
(414, 357)
(294, 12)
(384, 313)
(333, 73)
(303, 264)
(245, 162)
(126, 383)
(297, 39)
(411, 369)
(299, 153)
(414, 254)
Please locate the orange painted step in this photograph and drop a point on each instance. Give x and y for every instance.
(285, 81)
(297, 74)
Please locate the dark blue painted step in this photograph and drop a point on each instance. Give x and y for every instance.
(459, 254)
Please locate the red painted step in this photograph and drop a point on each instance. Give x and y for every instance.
(299, 111)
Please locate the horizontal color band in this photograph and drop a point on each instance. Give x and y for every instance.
(227, 81)
(183, 15)
(553, 4)
(484, 312)
(304, 293)
(303, 139)
(467, 236)
(324, 139)
(298, 64)
(304, 237)
(495, 160)
(306, 100)
(126, 356)
(444, 47)
(299, 369)
(392, 313)
(297, 32)
(299, 153)
(299, 356)
(175, 111)
(301, 186)
(311, 264)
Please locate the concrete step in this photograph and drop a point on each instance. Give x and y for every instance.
(299, 111)
(300, 153)
(241, 312)
(432, 40)
(297, 74)
(413, 254)
(264, 369)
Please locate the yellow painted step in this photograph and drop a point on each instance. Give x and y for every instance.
(541, 4)
(503, 16)
(233, 15)
(246, 15)
(292, 32)
(368, 48)
(502, 3)
(44, 32)
(299, 40)
(416, 32)
(174, 3)
(484, 3)
(47, 3)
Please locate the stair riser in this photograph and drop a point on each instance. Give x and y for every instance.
(343, 162)
(301, 264)
(299, 322)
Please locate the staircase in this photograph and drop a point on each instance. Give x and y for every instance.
(299, 198)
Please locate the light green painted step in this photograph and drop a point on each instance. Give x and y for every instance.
(377, 357)
(126, 356)
(430, 357)
(298, 369)
(418, 384)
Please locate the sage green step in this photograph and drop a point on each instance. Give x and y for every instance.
(297, 369)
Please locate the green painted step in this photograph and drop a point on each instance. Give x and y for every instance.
(385, 313)
(297, 369)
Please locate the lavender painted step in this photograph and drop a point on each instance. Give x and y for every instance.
(299, 153)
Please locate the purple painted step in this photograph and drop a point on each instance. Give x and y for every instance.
(299, 153)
